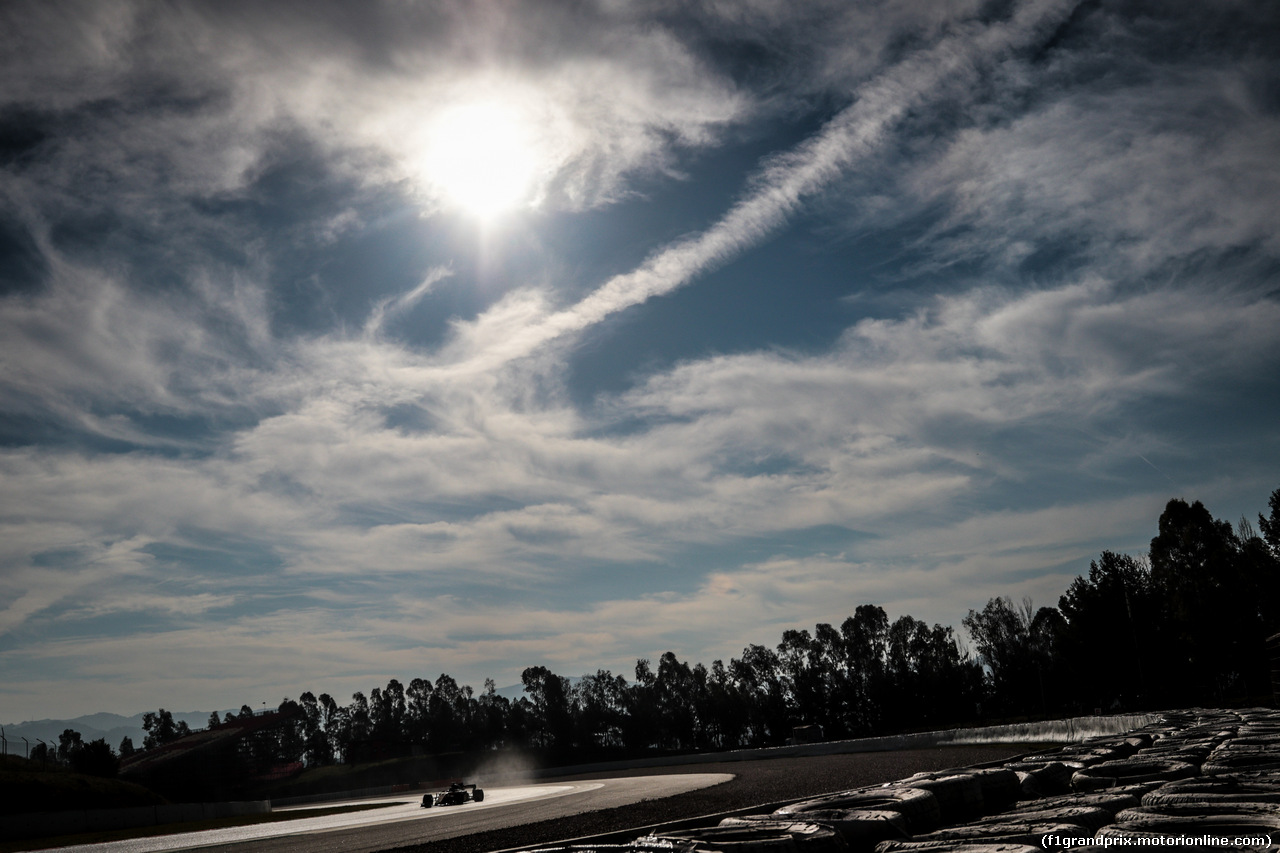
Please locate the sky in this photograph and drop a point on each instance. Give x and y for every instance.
(349, 341)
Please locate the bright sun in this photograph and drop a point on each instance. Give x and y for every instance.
(481, 157)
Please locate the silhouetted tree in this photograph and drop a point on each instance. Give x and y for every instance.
(126, 747)
(866, 648)
(699, 699)
(600, 704)
(290, 733)
(468, 707)
(520, 722)
(1270, 524)
(387, 711)
(640, 730)
(828, 661)
(674, 693)
(491, 716)
(759, 682)
(95, 758)
(1197, 567)
(1047, 635)
(1259, 568)
(317, 747)
(1002, 636)
(549, 695)
(804, 678)
(160, 729)
(723, 713)
(417, 710)
(69, 745)
(930, 680)
(1113, 643)
(442, 712)
(336, 722)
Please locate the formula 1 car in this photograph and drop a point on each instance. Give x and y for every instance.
(457, 794)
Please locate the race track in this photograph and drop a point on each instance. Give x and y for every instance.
(404, 822)
(527, 815)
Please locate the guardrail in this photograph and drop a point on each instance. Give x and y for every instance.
(1050, 731)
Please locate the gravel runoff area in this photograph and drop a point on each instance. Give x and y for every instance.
(755, 783)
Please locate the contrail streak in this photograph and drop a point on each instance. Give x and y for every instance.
(782, 185)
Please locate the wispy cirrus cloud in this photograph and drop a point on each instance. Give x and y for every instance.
(777, 192)
(262, 400)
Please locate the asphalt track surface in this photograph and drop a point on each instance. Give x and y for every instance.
(401, 819)
(516, 816)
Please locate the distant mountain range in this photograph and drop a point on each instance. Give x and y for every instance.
(113, 728)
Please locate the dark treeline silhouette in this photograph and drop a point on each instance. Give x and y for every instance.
(1185, 624)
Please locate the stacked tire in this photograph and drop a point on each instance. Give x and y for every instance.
(1199, 773)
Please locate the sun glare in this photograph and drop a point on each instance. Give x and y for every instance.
(480, 156)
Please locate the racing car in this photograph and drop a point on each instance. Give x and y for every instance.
(457, 794)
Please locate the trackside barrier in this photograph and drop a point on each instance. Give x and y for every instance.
(15, 827)
(1050, 731)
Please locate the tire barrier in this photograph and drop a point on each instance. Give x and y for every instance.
(957, 847)
(1191, 755)
(1246, 759)
(1110, 774)
(1159, 826)
(1091, 818)
(1198, 809)
(860, 829)
(918, 807)
(1199, 774)
(1043, 779)
(768, 837)
(1001, 788)
(1009, 832)
(1214, 789)
(1112, 801)
(1126, 745)
(633, 847)
(1082, 755)
(959, 795)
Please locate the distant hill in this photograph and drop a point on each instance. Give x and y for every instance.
(110, 727)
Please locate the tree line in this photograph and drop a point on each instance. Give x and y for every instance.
(1185, 623)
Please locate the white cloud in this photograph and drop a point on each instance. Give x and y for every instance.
(409, 510)
(1178, 163)
(740, 449)
(788, 180)
(198, 100)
